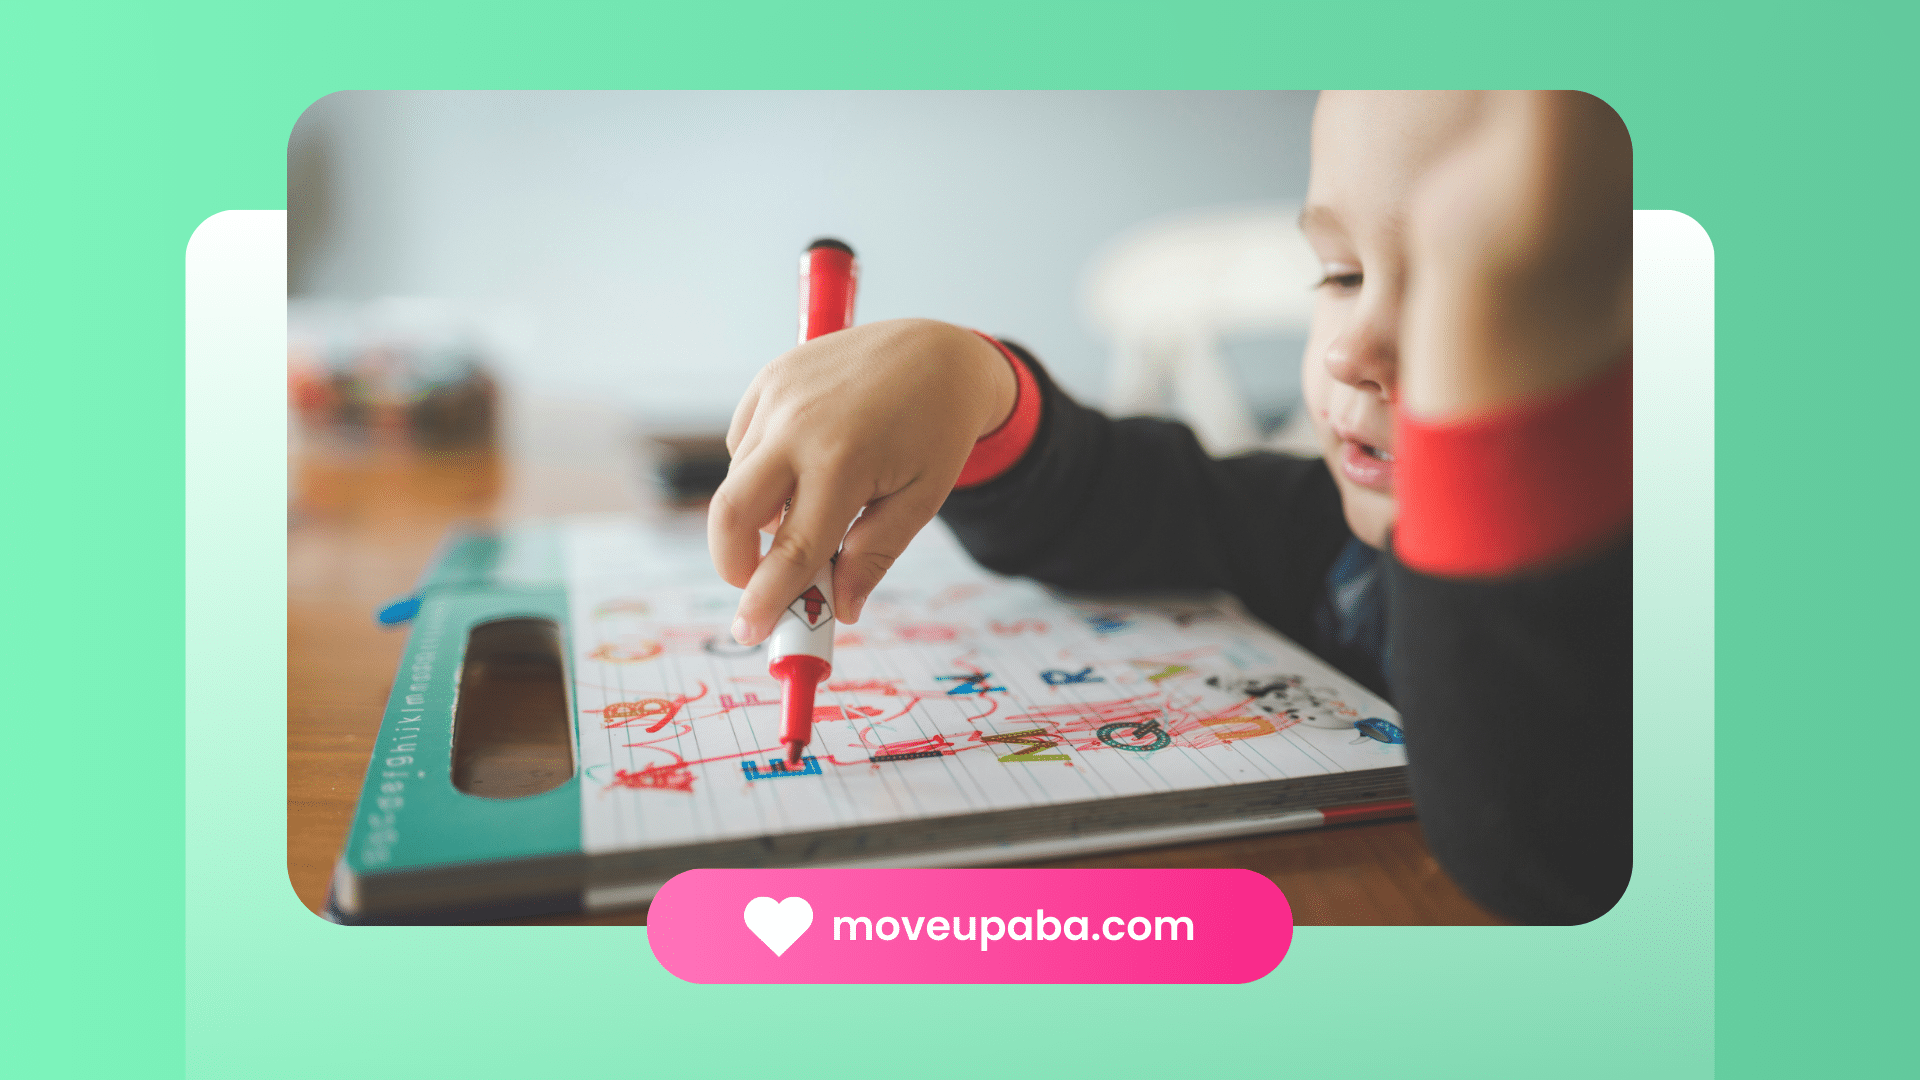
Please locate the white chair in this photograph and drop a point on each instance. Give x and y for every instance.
(1167, 293)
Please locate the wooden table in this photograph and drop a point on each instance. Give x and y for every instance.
(366, 519)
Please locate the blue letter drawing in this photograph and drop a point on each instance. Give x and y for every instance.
(971, 684)
(777, 768)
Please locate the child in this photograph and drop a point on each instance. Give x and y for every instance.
(1463, 543)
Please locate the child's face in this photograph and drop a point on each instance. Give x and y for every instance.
(1369, 149)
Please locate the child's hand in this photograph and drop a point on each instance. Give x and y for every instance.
(880, 417)
(1520, 249)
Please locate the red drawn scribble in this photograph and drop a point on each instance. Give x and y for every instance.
(907, 698)
(875, 737)
(848, 641)
(737, 756)
(627, 713)
(955, 594)
(677, 762)
(915, 746)
(672, 776)
(850, 712)
(889, 687)
(728, 702)
(1079, 723)
(626, 654)
(1091, 714)
(993, 705)
(890, 701)
(883, 687)
(926, 633)
(1018, 626)
(968, 666)
(679, 729)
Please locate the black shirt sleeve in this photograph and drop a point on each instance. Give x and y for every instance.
(1518, 697)
(1136, 504)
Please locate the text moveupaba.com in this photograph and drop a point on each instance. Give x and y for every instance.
(1036, 927)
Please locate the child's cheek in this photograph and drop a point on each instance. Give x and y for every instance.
(1316, 386)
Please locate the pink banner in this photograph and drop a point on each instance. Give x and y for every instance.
(970, 926)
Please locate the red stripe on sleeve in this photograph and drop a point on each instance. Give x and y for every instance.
(1001, 449)
(1499, 494)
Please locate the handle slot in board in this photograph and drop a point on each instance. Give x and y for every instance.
(511, 723)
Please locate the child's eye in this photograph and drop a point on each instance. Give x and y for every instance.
(1345, 281)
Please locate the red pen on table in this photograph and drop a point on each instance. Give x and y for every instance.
(800, 649)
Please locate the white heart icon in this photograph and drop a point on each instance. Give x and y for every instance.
(778, 925)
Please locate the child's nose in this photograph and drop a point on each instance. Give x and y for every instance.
(1366, 358)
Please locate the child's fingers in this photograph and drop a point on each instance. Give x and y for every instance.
(742, 419)
(807, 538)
(750, 441)
(747, 499)
(876, 540)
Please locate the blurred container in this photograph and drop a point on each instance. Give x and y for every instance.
(396, 372)
(687, 458)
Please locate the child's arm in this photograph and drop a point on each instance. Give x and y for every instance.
(886, 415)
(1097, 503)
(1510, 610)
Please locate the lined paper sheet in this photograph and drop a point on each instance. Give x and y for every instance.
(958, 692)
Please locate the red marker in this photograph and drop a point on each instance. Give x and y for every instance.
(800, 649)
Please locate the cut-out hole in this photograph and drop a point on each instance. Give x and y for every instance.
(512, 732)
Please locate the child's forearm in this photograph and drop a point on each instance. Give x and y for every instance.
(1518, 699)
(1136, 504)
(1515, 400)
(1510, 585)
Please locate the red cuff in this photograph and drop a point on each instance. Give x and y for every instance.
(1002, 448)
(1504, 493)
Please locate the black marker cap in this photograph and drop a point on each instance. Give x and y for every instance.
(830, 242)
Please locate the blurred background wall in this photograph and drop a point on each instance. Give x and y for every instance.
(639, 248)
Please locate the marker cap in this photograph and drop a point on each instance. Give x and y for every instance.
(829, 280)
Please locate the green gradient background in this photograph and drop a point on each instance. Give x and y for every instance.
(124, 128)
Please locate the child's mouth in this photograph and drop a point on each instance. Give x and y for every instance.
(1367, 466)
